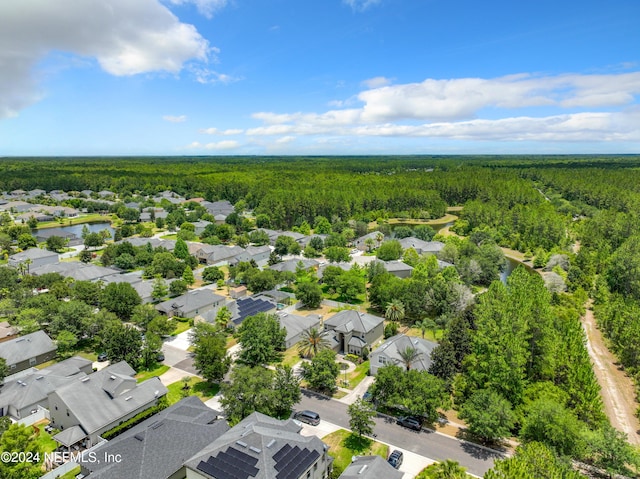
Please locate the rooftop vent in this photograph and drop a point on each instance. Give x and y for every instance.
(271, 443)
(255, 449)
(39, 377)
(362, 469)
(112, 377)
(139, 437)
(241, 444)
(127, 398)
(84, 380)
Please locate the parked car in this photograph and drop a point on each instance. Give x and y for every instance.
(395, 459)
(160, 356)
(410, 422)
(367, 396)
(102, 357)
(310, 417)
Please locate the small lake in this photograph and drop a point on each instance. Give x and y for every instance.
(510, 265)
(93, 228)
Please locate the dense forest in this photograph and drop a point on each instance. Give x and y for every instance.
(513, 351)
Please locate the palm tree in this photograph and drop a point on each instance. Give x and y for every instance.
(448, 470)
(427, 324)
(369, 244)
(394, 311)
(313, 341)
(408, 355)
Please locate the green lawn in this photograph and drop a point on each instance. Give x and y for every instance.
(71, 474)
(427, 335)
(357, 375)
(159, 370)
(172, 236)
(343, 445)
(291, 356)
(45, 442)
(92, 218)
(181, 327)
(199, 387)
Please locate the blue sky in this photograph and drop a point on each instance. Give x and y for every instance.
(268, 77)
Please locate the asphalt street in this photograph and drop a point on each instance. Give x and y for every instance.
(426, 443)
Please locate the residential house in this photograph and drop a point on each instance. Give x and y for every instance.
(199, 226)
(421, 247)
(39, 217)
(106, 193)
(249, 306)
(362, 244)
(389, 353)
(370, 467)
(398, 268)
(215, 255)
(16, 206)
(77, 271)
(144, 287)
(191, 304)
(169, 245)
(238, 292)
(259, 254)
(296, 325)
(33, 258)
(222, 208)
(262, 447)
(342, 266)
(292, 265)
(44, 235)
(94, 404)
(352, 330)
(21, 396)
(157, 447)
(7, 331)
(27, 351)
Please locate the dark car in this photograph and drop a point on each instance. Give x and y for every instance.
(367, 396)
(410, 422)
(160, 356)
(102, 357)
(395, 459)
(310, 417)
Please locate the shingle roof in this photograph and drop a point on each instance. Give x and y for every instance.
(33, 253)
(295, 324)
(34, 387)
(370, 467)
(353, 321)
(158, 447)
(276, 448)
(70, 436)
(190, 301)
(26, 347)
(391, 349)
(93, 406)
(292, 264)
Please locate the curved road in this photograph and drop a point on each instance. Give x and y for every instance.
(427, 443)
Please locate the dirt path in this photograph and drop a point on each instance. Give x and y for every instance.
(618, 392)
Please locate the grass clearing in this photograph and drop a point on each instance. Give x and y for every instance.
(427, 335)
(343, 445)
(357, 375)
(45, 441)
(291, 357)
(181, 327)
(71, 474)
(198, 387)
(159, 370)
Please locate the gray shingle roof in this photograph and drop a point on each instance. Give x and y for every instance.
(262, 437)
(32, 253)
(295, 324)
(351, 320)
(370, 467)
(93, 405)
(391, 349)
(26, 347)
(190, 301)
(158, 447)
(292, 264)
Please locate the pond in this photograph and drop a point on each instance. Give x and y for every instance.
(511, 264)
(93, 228)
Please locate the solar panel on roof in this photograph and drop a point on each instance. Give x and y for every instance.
(282, 452)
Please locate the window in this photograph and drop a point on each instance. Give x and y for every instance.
(382, 359)
(32, 361)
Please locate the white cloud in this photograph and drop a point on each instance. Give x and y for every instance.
(219, 145)
(125, 37)
(206, 7)
(361, 5)
(232, 131)
(463, 98)
(206, 75)
(215, 131)
(376, 82)
(285, 139)
(451, 109)
(175, 119)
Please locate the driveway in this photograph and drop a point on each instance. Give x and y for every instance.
(178, 358)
